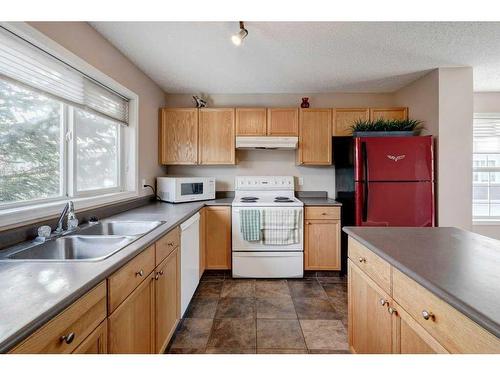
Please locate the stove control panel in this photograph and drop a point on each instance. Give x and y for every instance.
(264, 183)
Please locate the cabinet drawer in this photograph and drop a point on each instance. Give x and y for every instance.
(322, 213)
(453, 330)
(166, 244)
(75, 324)
(374, 266)
(127, 278)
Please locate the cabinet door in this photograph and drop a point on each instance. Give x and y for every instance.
(409, 337)
(315, 136)
(344, 118)
(370, 323)
(218, 238)
(131, 325)
(167, 301)
(96, 343)
(250, 121)
(283, 122)
(400, 113)
(217, 143)
(178, 136)
(202, 241)
(322, 245)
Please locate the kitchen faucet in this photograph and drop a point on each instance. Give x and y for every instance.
(72, 222)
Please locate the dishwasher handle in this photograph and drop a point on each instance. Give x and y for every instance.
(192, 220)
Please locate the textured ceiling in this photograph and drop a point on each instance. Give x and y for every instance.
(304, 57)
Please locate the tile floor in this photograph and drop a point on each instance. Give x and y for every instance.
(265, 316)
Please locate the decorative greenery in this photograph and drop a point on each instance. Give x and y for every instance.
(382, 125)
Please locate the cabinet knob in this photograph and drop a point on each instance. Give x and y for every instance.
(384, 302)
(323, 213)
(68, 339)
(157, 276)
(392, 310)
(427, 315)
(308, 223)
(362, 260)
(170, 244)
(161, 273)
(139, 273)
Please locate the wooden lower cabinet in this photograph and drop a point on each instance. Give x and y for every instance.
(369, 321)
(217, 237)
(167, 299)
(411, 338)
(131, 327)
(96, 343)
(322, 245)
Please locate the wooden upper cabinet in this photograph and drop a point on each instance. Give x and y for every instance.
(251, 121)
(399, 113)
(217, 136)
(283, 122)
(178, 136)
(344, 119)
(217, 237)
(315, 136)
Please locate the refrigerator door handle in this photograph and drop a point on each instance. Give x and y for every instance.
(365, 182)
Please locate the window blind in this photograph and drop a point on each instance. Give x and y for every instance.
(31, 66)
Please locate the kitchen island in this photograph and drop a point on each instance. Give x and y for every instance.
(423, 290)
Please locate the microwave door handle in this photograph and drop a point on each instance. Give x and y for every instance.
(365, 182)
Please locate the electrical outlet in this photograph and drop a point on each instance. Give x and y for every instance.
(143, 182)
(301, 181)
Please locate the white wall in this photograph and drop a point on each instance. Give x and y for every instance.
(443, 100)
(267, 162)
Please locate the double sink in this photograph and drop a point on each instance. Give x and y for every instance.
(91, 243)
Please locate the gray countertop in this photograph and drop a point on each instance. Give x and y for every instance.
(317, 201)
(32, 293)
(462, 268)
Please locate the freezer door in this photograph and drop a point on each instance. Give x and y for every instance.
(394, 159)
(395, 204)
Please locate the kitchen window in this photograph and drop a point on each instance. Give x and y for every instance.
(63, 134)
(486, 168)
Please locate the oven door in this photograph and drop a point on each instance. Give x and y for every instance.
(239, 244)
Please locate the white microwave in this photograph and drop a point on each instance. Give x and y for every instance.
(185, 189)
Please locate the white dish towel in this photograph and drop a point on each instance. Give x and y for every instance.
(280, 227)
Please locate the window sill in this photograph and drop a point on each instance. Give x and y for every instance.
(10, 218)
(479, 222)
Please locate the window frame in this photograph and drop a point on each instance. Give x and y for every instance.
(484, 220)
(19, 213)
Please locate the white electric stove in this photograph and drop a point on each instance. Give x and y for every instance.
(255, 259)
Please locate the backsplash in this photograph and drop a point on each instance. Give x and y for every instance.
(265, 163)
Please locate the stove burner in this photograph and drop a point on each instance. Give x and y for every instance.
(243, 199)
(284, 199)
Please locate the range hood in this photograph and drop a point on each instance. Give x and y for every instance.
(267, 143)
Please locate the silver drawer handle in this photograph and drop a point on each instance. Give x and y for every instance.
(383, 302)
(68, 339)
(392, 310)
(362, 260)
(170, 244)
(140, 273)
(427, 315)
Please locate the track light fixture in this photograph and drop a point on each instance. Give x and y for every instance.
(242, 34)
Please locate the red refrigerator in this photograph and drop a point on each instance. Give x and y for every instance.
(394, 181)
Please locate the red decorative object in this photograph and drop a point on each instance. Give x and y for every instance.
(305, 103)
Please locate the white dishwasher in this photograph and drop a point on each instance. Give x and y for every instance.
(190, 259)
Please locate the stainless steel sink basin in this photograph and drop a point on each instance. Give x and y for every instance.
(121, 228)
(74, 248)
